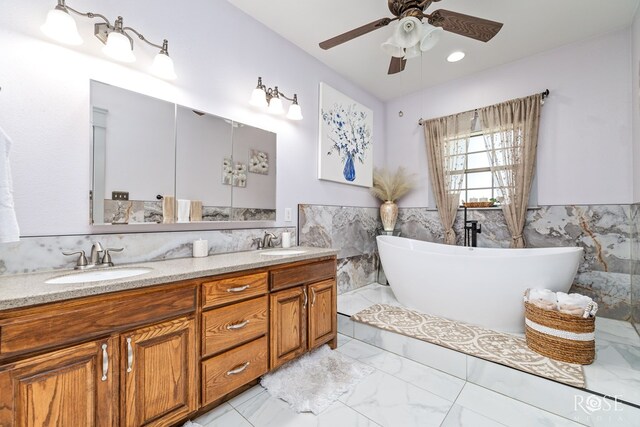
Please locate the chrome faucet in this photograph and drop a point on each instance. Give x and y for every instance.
(267, 240)
(94, 257)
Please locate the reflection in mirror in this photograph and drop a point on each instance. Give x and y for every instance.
(156, 163)
(133, 155)
(204, 141)
(254, 182)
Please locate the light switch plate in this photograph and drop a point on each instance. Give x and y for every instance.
(287, 214)
(119, 195)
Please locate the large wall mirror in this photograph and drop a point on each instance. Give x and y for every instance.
(158, 162)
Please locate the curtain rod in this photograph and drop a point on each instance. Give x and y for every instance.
(544, 94)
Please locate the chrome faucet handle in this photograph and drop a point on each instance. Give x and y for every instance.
(106, 259)
(82, 259)
(258, 242)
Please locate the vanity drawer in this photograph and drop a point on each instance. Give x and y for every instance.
(232, 369)
(233, 289)
(225, 327)
(305, 273)
(73, 321)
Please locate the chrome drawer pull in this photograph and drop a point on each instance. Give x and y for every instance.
(238, 369)
(239, 288)
(105, 362)
(238, 325)
(304, 304)
(129, 355)
(313, 299)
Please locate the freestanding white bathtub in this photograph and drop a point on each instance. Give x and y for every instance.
(482, 286)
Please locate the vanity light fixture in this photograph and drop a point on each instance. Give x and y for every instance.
(61, 27)
(270, 98)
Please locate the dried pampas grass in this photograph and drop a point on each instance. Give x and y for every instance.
(389, 186)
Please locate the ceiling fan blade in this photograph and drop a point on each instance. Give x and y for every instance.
(356, 32)
(465, 25)
(397, 65)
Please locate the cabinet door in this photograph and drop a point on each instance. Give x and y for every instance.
(158, 372)
(322, 312)
(288, 325)
(72, 387)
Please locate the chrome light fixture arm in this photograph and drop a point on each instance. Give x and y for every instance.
(62, 5)
(164, 48)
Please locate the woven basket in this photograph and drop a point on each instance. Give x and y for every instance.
(478, 204)
(560, 336)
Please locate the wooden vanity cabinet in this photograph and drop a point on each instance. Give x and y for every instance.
(156, 356)
(304, 313)
(158, 373)
(75, 386)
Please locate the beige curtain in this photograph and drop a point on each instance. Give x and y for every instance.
(511, 136)
(446, 139)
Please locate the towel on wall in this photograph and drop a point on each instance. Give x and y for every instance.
(9, 230)
(168, 209)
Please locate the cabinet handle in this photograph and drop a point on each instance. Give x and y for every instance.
(304, 304)
(129, 355)
(239, 288)
(238, 369)
(105, 362)
(313, 297)
(238, 325)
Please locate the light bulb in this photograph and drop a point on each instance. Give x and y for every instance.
(61, 27)
(259, 98)
(119, 47)
(295, 112)
(430, 36)
(275, 106)
(163, 66)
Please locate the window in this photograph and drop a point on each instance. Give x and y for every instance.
(478, 183)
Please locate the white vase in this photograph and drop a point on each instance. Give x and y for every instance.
(388, 215)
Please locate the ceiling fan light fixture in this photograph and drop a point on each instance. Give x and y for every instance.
(391, 48)
(430, 36)
(412, 52)
(408, 32)
(456, 56)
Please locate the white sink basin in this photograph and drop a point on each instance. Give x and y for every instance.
(283, 252)
(98, 275)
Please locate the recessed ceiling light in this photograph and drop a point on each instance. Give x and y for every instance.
(455, 56)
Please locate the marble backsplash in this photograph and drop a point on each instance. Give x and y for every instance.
(139, 211)
(32, 254)
(635, 267)
(604, 231)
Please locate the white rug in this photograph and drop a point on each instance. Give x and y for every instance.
(314, 381)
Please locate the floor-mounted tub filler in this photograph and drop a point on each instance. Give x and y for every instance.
(482, 286)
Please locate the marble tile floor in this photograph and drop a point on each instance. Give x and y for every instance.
(615, 372)
(400, 392)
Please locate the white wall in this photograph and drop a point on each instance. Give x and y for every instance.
(585, 149)
(635, 93)
(219, 52)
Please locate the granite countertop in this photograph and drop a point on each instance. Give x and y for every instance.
(24, 290)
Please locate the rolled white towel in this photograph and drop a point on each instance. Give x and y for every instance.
(573, 299)
(571, 309)
(543, 298)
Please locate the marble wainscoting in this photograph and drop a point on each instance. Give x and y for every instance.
(351, 230)
(33, 254)
(604, 231)
(635, 266)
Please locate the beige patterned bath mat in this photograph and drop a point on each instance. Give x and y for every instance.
(476, 341)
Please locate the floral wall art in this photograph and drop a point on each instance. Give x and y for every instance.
(346, 144)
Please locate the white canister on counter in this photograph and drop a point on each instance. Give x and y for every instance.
(200, 248)
(286, 239)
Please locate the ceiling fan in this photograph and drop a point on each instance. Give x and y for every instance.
(412, 12)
